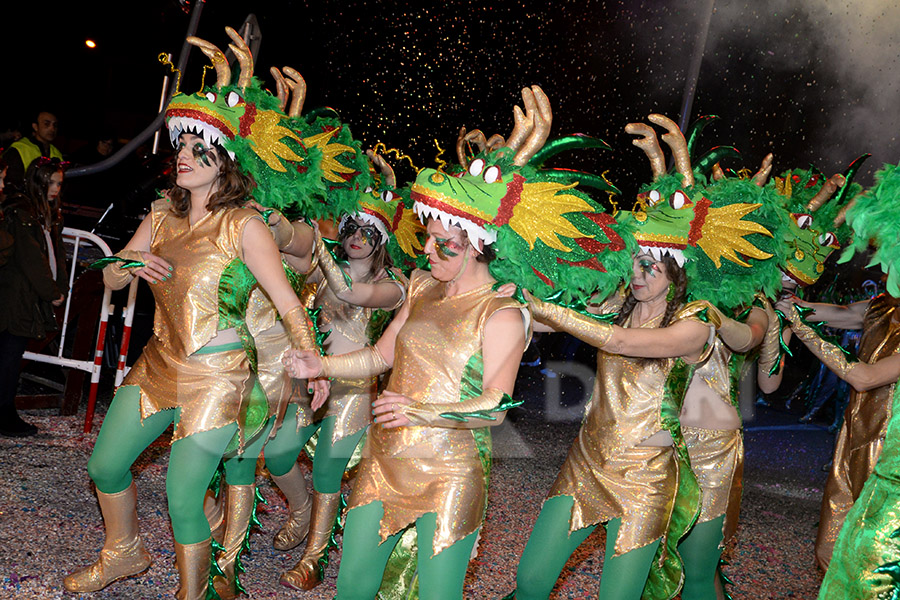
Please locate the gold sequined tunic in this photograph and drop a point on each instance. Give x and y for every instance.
(717, 455)
(607, 472)
(418, 470)
(861, 438)
(350, 400)
(210, 389)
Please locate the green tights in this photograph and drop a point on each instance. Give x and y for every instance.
(700, 552)
(550, 546)
(365, 556)
(331, 458)
(192, 460)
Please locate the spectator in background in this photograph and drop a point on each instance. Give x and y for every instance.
(24, 151)
(32, 281)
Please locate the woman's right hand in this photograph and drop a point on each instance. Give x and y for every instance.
(155, 269)
(302, 364)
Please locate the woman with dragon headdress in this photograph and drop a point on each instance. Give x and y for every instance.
(203, 253)
(629, 467)
(455, 348)
(358, 288)
(866, 553)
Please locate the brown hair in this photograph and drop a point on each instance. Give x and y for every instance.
(678, 277)
(234, 187)
(381, 260)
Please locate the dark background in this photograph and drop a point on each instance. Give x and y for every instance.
(814, 81)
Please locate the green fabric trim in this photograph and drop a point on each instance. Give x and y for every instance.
(108, 260)
(401, 574)
(804, 312)
(294, 277)
(331, 246)
(219, 348)
(235, 286)
(506, 403)
(470, 387)
(667, 570)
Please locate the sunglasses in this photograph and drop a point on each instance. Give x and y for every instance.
(369, 233)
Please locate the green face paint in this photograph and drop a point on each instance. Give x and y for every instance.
(446, 248)
(201, 154)
(647, 266)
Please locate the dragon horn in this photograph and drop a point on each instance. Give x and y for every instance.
(828, 188)
(216, 56)
(523, 122)
(245, 59)
(765, 168)
(281, 87)
(850, 173)
(389, 178)
(715, 156)
(298, 91)
(842, 214)
(696, 128)
(650, 145)
(675, 140)
(543, 119)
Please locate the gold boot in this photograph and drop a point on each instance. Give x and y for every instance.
(214, 509)
(238, 511)
(293, 485)
(123, 553)
(193, 562)
(308, 573)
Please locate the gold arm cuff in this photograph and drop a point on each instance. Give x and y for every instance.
(333, 274)
(420, 413)
(365, 362)
(831, 355)
(300, 328)
(114, 276)
(584, 328)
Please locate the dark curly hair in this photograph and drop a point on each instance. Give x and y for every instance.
(234, 186)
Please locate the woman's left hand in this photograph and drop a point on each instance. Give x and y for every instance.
(385, 410)
(320, 388)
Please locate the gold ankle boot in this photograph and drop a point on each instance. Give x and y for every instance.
(123, 553)
(310, 570)
(193, 562)
(240, 500)
(293, 485)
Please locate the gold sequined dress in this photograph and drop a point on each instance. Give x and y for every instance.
(717, 455)
(350, 400)
(417, 470)
(610, 475)
(861, 438)
(208, 291)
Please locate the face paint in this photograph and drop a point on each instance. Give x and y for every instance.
(202, 154)
(369, 233)
(446, 248)
(648, 266)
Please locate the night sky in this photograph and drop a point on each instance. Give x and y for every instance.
(814, 81)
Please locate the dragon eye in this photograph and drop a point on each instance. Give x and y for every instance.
(387, 196)
(679, 200)
(492, 174)
(476, 167)
(232, 98)
(827, 239)
(804, 221)
(654, 197)
(211, 96)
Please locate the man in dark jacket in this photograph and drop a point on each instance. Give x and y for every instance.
(24, 151)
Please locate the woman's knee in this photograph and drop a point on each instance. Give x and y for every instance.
(108, 474)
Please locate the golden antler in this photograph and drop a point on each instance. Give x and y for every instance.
(389, 178)
(650, 145)
(542, 118)
(216, 56)
(464, 139)
(828, 189)
(298, 91)
(280, 87)
(717, 173)
(245, 59)
(762, 175)
(675, 140)
(842, 214)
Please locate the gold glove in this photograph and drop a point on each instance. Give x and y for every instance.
(832, 356)
(114, 276)
(586, 329)
(469, 414)
(770, 350)
(300, 328)
(365, 362)
(334, 275)
(282, 231)
(736, 335)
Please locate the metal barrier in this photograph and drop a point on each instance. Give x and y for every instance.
(77, 237)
